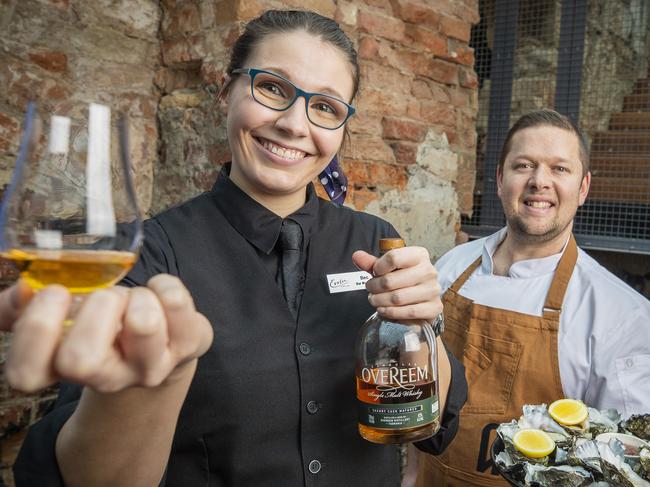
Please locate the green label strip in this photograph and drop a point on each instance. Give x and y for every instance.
(398, 416)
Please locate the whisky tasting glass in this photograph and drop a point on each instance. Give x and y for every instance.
(70, 214)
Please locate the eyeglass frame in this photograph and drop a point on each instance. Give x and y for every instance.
(252, 72)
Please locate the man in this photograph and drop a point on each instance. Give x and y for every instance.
(533, 317)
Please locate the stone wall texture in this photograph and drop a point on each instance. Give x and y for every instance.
(410, 154)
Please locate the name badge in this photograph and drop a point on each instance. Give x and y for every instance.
(347, 281)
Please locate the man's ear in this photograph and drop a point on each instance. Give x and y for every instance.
(499, 179)
(584, 188)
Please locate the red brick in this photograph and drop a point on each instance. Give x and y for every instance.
(364, 123)
(458, 29)
(385, 78)
(430, 40)
(357, 172)
(459, 53)
(383, 5)
(9, 134)
(441, 71)
(55, 61)
(405, 152)
(8, 272)
(369, 148)
(438, 113)
(404, 129)
(390, 175)
(361, 198)
(416, 13)
(380, 25)
(413, 109)
(183, 18)
(381, 102)
(323, 7)
(420, 89)
(248, 9)
(368, 48)
(60, 4)
(460, 98)
(467, 78)
(183, 50)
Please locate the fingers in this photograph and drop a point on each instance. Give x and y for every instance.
(420, 311)
(190, 333)
(406, 286)
(145, 338)
(12, 301)
(399, 259)
(87, 355)
(36, 336)
(363, 260)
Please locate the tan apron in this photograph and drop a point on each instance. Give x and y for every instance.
(510, 360)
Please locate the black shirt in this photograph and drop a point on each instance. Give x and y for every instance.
(273, 401)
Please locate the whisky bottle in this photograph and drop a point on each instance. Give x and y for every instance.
(396, 376)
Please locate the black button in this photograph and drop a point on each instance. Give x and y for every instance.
(305, 349)
(312, 407)
(314, 466)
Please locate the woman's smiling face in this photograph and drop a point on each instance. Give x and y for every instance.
(275, 154)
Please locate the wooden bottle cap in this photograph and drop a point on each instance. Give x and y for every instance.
(386, 244)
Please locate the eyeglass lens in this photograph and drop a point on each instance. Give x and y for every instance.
(275, 92)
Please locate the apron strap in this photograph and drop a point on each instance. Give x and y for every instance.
(465, 275)
(555, 296)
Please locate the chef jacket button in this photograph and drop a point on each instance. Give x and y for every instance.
(305, 349)
(314, 466)
(312, 407)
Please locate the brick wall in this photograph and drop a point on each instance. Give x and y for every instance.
(410, 156)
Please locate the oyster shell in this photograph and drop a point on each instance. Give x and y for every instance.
(644, 460)
(616, 471)
(562, 476)
(638, 425)
(506, 431)
(586, 455)
(604, 421)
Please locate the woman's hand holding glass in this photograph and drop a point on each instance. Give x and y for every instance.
(71, 224)
(122, 337)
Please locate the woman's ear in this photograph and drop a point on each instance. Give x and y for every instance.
(222, 97)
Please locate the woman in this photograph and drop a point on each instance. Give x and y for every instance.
(271, 399)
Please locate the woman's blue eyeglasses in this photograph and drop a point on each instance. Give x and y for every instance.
(278, 93)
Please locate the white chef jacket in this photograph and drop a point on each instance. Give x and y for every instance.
(604, 336)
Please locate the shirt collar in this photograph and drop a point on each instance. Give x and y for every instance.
(522, 269)
(256, 223)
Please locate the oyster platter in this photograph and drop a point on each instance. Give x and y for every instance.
(568, 444)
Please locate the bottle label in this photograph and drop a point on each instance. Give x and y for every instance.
(399, 416)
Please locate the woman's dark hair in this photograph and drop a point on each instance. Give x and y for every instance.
(551, 118)
(285, 21)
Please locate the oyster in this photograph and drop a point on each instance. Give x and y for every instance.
(586, 455)
(638, 425)
(562, 476)
(506, 431)
(644, 460)
(616, 471)
(605, 421)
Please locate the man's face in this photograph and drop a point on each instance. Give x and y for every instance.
(541, 184)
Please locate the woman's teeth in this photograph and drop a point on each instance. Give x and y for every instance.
(281, 151)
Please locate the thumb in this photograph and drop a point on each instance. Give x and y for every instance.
(364, 260)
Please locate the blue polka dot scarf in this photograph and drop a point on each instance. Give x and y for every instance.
(334, 181)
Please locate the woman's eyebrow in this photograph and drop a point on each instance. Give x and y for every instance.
(325, 90)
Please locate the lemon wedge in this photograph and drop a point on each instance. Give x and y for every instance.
(533, 443)
(568, 411)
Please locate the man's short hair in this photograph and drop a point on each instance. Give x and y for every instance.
(551, 118)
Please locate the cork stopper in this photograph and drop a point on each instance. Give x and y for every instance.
(386, 244)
